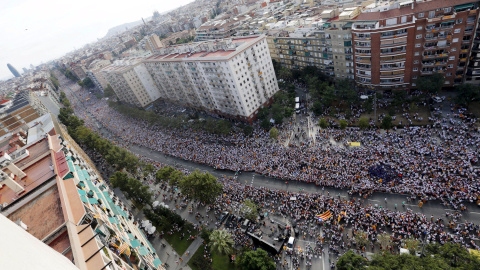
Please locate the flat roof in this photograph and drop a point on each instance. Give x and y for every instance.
(42, 215)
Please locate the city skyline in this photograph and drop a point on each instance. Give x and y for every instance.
(35, 37)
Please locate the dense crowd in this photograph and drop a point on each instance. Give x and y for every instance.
(433, 162)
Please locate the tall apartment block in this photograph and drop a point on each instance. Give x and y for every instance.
(393, 48)
(231, 77)
(131, 82)
(328, 47)
(50, 190)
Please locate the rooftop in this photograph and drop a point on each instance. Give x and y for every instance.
(42, 215)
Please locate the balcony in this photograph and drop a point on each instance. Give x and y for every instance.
(433, 56)
(394, 52)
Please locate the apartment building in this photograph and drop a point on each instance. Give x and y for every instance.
(231, 77)
(219, 28)
(131, 82)
(95, 75)
(396, 46)
(152, 43)
(50, 189)
(328, 47)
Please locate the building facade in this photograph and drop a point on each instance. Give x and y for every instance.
(131, 82)
(394, 48)
(231, 77)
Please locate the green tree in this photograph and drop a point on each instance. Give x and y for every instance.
(149, 168)
(201, 186)
(387, 122)
(431, 84)
(248, 130)
(265, 124)
(120, 180)
(466, 93)
(256, 260)
(278, 118)
(323, 123)
(163, 174)
(351, 261)
(88, 83)
(108, 91)
(221, 242)
(249, 210)
(285, 74)
(175, 177)
(274, 133)
(363, 123)
(343, 123)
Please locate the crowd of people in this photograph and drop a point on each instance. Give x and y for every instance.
(434, 163)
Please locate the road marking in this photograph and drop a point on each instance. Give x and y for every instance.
(374, 200)
(474, 213)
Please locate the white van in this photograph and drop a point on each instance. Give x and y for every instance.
(297, 100)
(297, 107)
(290, 243)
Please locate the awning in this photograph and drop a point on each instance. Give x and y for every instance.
(82, 192)
(464, 6)
(113, 220)
(348, 25)
(82, 184)
(447, 22)
(107, 196)
(135, 243)
(326, 25)
(84, 199)
(157, 262)
(143, 251)
(92, 201)
(130, 236)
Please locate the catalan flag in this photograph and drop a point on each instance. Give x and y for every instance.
(324, 216)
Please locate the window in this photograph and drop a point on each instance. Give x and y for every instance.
(454, 49)
(418, 45)
(391, 21)
(455, 40)
(456, 31)
(450, 66)
(417, 53)
(451, 58)
(419, 27)
(419, 36)
(414, 77)
(449, 74)
(415, 62)
(459, 21)
(420, 15)
(414, 84)
(415, 69)
(447, 9)
(431, 14)
(404, 19)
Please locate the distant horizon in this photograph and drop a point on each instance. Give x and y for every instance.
(35, 35)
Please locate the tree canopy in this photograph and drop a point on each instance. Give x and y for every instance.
(201, 186)
(256, 260)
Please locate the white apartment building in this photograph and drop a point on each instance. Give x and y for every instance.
(131, 82)
(231, 77)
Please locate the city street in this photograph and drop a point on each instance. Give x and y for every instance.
(385, 200)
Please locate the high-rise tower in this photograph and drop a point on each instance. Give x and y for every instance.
(13, 70)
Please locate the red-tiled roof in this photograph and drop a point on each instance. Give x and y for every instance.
(4, 101)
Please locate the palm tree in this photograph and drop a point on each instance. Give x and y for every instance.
(221, 241)
(385, 240)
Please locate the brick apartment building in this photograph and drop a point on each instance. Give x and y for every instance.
(393, 48)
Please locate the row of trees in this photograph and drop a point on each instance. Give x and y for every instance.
(132, 188)
(113, 154)
(69, 74)
(436, 256)
(54, 81)
(87, 83)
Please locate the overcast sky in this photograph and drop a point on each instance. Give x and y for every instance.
(33, 31)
